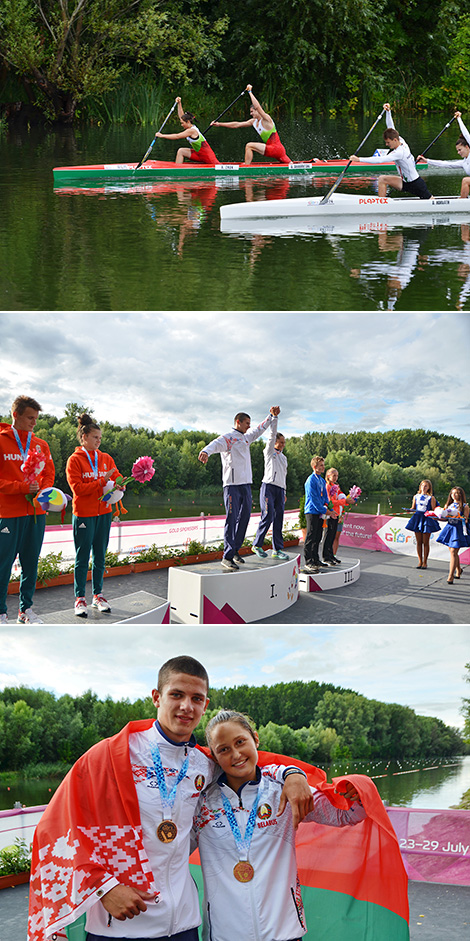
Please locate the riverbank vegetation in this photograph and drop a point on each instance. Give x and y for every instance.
(315, 722)
(71, 61)
(394, 461)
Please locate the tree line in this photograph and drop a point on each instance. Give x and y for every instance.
(394, 461)
(315, 722)
(307, 56)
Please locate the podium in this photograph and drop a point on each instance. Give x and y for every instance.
(206, 594)
(338, 576)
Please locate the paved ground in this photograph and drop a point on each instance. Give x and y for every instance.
(437, 912)
(391, 590)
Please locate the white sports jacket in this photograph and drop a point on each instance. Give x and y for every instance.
(177, 905)
(234, 450)
(275, 462)
(270, 906)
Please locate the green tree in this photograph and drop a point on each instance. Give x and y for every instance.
(66, 52)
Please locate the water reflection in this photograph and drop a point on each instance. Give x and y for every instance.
(62, 250)
(412, 783)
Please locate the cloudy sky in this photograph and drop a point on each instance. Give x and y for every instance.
(341, 371)
(415, 667)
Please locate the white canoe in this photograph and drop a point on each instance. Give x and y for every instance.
(344, 204)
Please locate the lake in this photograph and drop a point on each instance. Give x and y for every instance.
(113, 248)
(431, 784)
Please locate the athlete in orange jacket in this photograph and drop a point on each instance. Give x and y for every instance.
(21, 529)
(88, 471)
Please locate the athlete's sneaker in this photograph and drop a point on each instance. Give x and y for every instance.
(100, 602)
(260, 552)
(329, 563)
(238, 559)
(81, 610)
(229, 565)
(28, 617)
(279, 554)
(336, 561)
(4, 618)
(311, 569)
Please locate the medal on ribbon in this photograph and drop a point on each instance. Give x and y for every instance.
(167, 829)
(243, 871)
(23, 451)
(94, 466)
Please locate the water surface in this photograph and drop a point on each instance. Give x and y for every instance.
(160, 247)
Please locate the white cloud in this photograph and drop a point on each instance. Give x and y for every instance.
(340, 371)
(380, 662)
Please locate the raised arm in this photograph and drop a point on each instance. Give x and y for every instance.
(266, 117)
(465, 132)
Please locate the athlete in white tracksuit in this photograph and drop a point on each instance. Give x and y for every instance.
(409, 179)
(272, 494)
(270, 904)
(237, 477)
(463, 150)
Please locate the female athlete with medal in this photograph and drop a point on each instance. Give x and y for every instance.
(88, 471)
(251, 889)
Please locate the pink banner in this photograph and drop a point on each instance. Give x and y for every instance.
(435, 844)
(389, 534)
(360, 531)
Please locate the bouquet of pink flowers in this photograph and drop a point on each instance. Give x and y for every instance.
(32, 467)
(355, 492)
(142, 471)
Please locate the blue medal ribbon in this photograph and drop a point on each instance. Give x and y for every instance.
(24, 452)
(94, 466)
(168, 797)
(242, 842)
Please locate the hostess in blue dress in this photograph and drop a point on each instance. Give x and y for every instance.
(455, 533)
(419, 523)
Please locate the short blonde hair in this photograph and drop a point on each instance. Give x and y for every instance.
(316, 460)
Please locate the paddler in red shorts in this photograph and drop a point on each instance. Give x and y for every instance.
(270, 146)
(200, 150)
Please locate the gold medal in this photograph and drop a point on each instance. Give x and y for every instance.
(243, 871)
(166, 831)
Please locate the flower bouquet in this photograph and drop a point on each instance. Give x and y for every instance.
(32, 467)
(142, 471)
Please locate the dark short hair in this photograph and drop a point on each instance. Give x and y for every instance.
(86, 424)
(240, 416)
(22, 402)
(462, 140)
(188, 116)
(181, 664)
(280, 435)
(391, 134)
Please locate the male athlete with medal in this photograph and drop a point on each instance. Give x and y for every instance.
(21, 525)
(115, 840)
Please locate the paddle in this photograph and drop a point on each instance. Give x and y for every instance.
(438, 136)
(151, 145)
(224, 112)
(338, 181)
